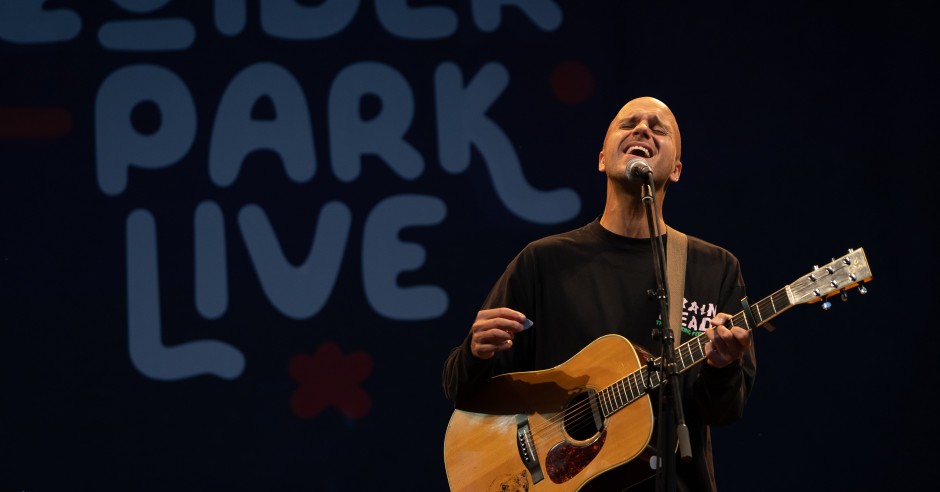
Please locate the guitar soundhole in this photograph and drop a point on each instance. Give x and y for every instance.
(582, 422)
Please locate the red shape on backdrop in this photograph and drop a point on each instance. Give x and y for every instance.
(37, 122)
(572, 82)
(329, 378)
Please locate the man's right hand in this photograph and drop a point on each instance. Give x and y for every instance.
(494, 330)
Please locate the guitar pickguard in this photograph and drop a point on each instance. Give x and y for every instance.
(566, 460)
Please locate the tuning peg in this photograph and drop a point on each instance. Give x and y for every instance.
(844, 296)
(862, 289)
(826, 305)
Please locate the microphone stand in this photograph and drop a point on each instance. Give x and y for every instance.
(670, 402)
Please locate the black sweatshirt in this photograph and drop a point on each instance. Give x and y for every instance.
(589, 282)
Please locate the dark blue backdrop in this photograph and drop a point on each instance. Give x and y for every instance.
(239, 238)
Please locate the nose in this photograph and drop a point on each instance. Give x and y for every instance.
(642, 128)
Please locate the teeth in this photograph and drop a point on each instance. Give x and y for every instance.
(637, 147)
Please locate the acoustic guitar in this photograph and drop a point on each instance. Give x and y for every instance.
(590, 418)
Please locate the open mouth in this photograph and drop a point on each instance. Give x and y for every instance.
(638, 150)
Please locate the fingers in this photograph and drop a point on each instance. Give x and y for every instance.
(726, 345)
(485, 348)
(721, 319)
(493, 331)
(506, 318)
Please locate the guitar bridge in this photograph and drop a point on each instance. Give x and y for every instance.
(526, 446)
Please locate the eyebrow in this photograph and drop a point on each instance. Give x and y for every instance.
(652, 117)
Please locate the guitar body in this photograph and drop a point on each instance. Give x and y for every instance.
(488, 443)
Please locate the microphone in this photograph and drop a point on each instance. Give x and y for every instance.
(637, 170)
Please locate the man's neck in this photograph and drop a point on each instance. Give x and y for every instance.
(625, 215)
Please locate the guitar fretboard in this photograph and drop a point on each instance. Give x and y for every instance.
(644, 379)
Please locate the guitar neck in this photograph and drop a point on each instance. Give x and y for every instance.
(641, 381)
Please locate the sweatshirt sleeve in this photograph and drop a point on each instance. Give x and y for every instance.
(719, 394)
(463, 372)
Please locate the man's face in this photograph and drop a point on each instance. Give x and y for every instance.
(645, 128)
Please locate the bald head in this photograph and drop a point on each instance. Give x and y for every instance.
(646, 128)
(648, 104)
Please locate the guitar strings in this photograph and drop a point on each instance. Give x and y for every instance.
(580, 415)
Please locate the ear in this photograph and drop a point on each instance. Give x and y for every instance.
(601, 165)
(676, 171)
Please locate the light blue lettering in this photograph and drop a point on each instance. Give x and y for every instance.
(382, 135)
(27, 22)
(141, 6)
(211, 276)
(119, 145)
(384, 256)
(298, 292)
(229, 16)
(429, 22)
(462, 122)
(545, 14)
(145, 345)
(287, 19)
(235, 134)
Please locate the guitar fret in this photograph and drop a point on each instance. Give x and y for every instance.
(700, 354)
(635, 387)
(604, 405)
(653, 379)
(643, 380)
(765, 307)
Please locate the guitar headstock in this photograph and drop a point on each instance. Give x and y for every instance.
(833, 278)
